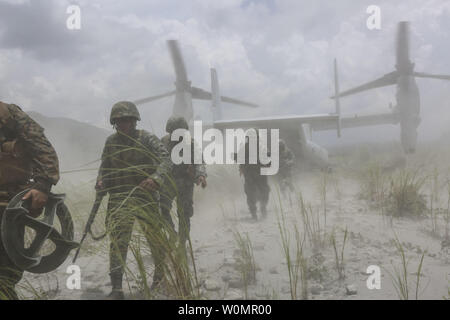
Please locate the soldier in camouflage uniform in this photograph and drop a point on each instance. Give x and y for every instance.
(25, 154)
(134, 166)
(284, 175)
(182, 186)
(256, 185)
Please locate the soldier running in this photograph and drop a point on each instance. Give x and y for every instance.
(284, 175)
(256, 185)
(184, 177)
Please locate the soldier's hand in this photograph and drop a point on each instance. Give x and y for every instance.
(149, 184)
(99, 185)
(38, 201)
(201, 180)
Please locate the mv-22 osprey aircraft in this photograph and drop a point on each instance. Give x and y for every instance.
(293, 128)
(406, 112)
(184, 93)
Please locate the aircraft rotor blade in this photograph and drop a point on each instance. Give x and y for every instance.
(201, 94)
(431, 76)
(177, 59)
(386, 80)
(238, 102)
(403, 62)
(153, 98)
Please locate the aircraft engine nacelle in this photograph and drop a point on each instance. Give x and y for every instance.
(408, 134)
(317, 155)
(408, 99)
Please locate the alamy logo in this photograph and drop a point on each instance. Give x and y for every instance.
(74, 280)
(374, 280)
(229, 149)
(73, 22)
(374, 20)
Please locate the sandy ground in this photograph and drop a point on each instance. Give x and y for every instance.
(221, 211)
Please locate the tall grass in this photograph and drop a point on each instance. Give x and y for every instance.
(313, 224)
(323, 189)
(245, 261)
(180, 272)
(400, 276)
(177, 262)
(339, 254)
(296, 263)
(434, 202)
(405, 197)
(338, 192)
(46, 287)
(373, 184)
(447, 212)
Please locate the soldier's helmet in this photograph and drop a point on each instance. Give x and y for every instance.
(176, 123)
(124, 109)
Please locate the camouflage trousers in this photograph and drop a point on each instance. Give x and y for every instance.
(183, 192)
(10, 275)
(123, 210)
(256, 189)
(284, 178)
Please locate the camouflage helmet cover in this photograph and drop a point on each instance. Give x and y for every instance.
(124, 109)
(176, 123)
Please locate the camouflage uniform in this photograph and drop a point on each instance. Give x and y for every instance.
(126, 162)
(256, 185)
(284, 175)
(25, 153)
(182, 185)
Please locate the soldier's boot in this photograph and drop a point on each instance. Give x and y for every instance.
(116, 295)
(116, 292)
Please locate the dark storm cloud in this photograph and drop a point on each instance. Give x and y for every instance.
(277, 53)
(38, 28)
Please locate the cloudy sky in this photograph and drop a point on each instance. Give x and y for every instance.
(278, 53)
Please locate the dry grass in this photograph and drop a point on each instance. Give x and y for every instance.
(339, 254)
(313, 224)
(374, 185)
(405, 198)
(400, 276)
(245, 261)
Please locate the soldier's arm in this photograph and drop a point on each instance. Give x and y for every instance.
(36, 145)
(104, 164)
(161, 156)
(200, 168)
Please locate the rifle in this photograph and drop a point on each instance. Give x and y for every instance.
(87, 229)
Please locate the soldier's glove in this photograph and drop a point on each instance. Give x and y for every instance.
(149, 184)
(100, 187)
(38, 201)
(201, 180)
(191, 171)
